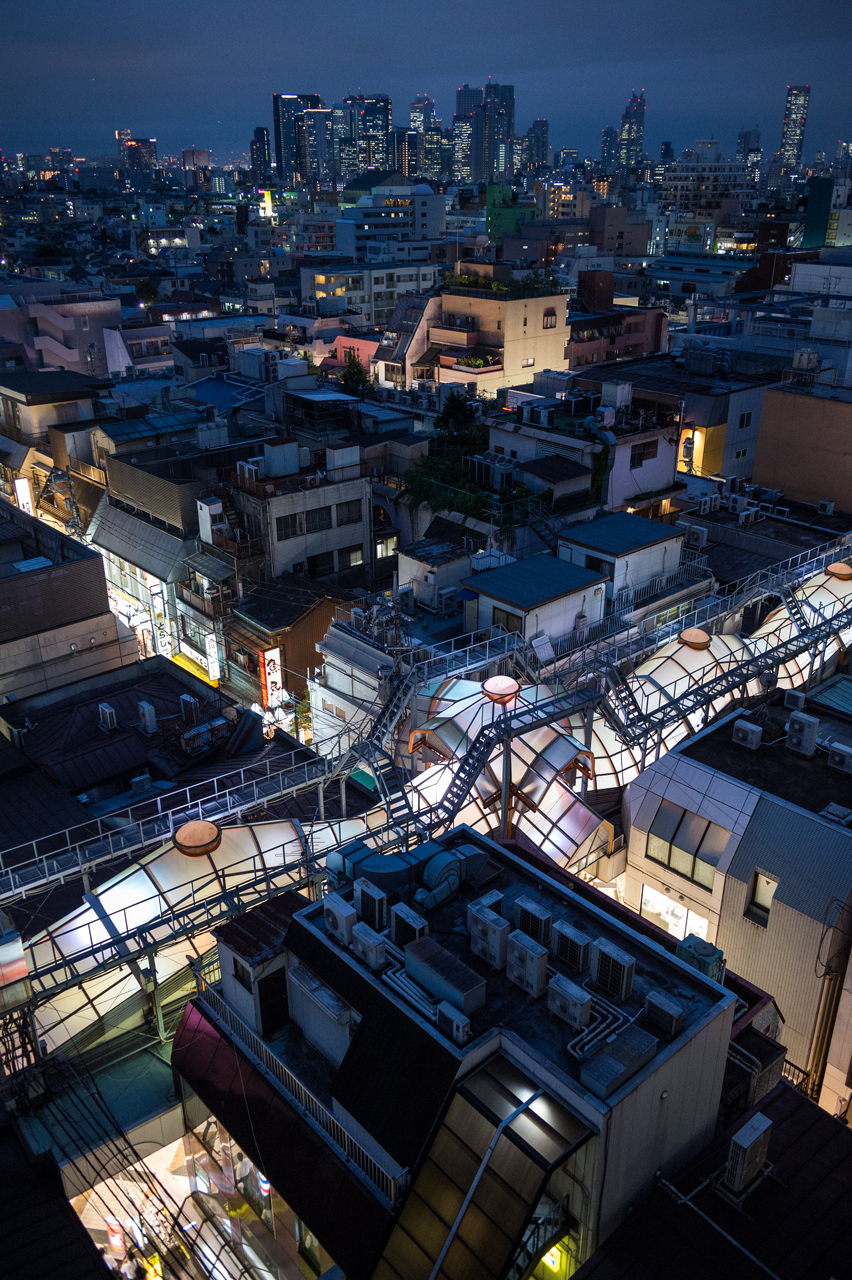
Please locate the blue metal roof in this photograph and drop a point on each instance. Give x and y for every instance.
(619, 533)
(528, 583)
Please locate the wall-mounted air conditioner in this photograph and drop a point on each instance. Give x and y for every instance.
(568, 1001)
(526, 964)
(697, 536)
(570, 946)
(448, 600)
(747, 1153)
(612, 969)
(340, 918)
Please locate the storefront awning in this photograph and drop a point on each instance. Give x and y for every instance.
(207, 566)
(194, 668)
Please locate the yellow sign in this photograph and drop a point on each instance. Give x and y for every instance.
(154, 1267)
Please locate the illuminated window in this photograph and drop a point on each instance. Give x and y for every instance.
(686, 844)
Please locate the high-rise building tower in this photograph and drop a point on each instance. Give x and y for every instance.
(467, 99)
(538, 143)
(316, 123)
(793, 128)
(404, 147)
(377, 122)
(422, 113)
(261, 155)
(748, 146)
(609, 147)
(286, 108)
(631, 136)
(666, 152)
(140, 154)
(499, 103)
(122, 137)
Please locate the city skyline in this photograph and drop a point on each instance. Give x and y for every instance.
(577, 79)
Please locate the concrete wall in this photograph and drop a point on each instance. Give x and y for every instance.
(804, 447)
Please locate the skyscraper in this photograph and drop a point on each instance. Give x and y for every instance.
(404, 145)
(467, 99)
(499, 103)
(538, 143)
(609, 147)
(422, 112)
(286, 107)
(793, 128)
(122, 137)
(377, 122)
(316, 128)
(140, 154)
(667, 152)
(261, 155)
(631, 136)
(748, 146)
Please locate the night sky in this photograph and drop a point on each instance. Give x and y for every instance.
(202, 72)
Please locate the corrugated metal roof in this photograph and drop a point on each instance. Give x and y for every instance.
(812, 858)
(146, 547)
(835, 696)
(208, 566)
(527, 583)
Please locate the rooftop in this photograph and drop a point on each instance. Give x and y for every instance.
(661, 374)
(531, 582)
(554, 469)
(620, 533)
(274, 606)
(434, 553)
(49, 385)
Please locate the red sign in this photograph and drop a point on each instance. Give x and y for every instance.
(115, 1235)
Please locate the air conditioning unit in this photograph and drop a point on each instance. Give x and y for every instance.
(703, 956)
(747, 1153)
(406, 925)
(794, 700)
(840, 757)
(371, 904)
(368, 946)
(340, 918)
(825, 508)
(147, 718)
(570, 946)
(664, 1014)
(569, 1002)
(697, 536)
(453, 1024)
(534, 921)
(448, 600)
(737, 502)
(106, 716)
(612, 969)
(747, 517)
(189, 708)
(406, 599)
(747, 734)
(715, 502)
(141, 784)
(704, 506)
(526, 964)
(802, 733)
(493, 900)
(489, 936)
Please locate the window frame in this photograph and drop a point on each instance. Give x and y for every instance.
(756, 910)
(299, 530)
(315, 518)
(671, 820)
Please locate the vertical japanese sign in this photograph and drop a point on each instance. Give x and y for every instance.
(212, 655)
(271, 679)
(24, 495)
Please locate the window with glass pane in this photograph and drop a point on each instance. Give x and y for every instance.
(763, 892)
(317, 519)
(685, 843)
(349, 512)
(663, 828)
(322, 565)
(289, 526)
(349, 557)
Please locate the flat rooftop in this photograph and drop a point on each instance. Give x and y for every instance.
(619, 533)
(531, 582)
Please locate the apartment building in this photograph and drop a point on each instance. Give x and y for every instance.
(60, 330)
(31, 403)
(379, 1081)
(371, 288)
(391, 214)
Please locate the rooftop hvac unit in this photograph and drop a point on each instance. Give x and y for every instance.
(612, 969)
(526, 964)
(453, 1024)
(697, 537)
(715, 502)
(406, 599)
(663, 1014)
(189, 708)
(703, 956)
(840, 757)
(569, 1002)
(570, 946)
(406, 925)
(339, 917)
(371, 904)
(747, 734)
(140, 784)
(106, 716)
(825, 508)
(493, 899)
(794, 700)
(737, 502)
(147, 718)
(748, 516)
(448, 600)
(489, 936)
(704, 506)
(747, 1154)
(534, 921)
(802, 733)
(368, 945)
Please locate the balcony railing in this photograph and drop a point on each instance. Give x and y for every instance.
(247, 547)
(211, 606)
(391, 1187)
